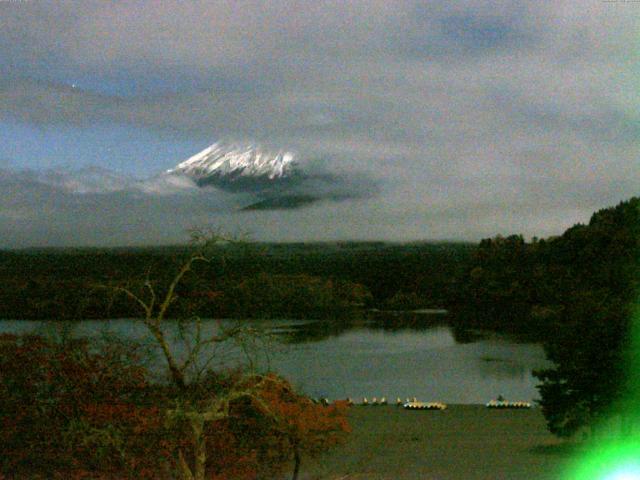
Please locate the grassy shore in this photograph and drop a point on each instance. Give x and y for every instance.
(464, 442)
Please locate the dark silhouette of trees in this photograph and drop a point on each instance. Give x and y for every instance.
(56, 283)
(588, 376)
(591, 335)
(574, 293)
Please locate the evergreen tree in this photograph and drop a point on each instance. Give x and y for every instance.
(598, 264)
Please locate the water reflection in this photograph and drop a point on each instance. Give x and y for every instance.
(316, 331)
(321, 330)
(389, 355)
(503, 368)
(396, 355)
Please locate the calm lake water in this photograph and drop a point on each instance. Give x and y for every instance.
(427, 360)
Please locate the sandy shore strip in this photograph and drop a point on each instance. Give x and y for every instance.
(464, 442)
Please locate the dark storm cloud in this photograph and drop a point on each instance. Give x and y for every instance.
(476, 117)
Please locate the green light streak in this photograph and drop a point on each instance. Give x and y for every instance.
(617, 456)
(614, 461)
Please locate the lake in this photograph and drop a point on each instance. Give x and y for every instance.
(426, 359)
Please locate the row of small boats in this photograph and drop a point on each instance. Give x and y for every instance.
(415, 404)
(507, 404)
(425, 406)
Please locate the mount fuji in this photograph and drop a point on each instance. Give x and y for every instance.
(242, 169)
(238, 177)
(277, 179)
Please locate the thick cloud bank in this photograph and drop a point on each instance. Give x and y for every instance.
(94, 206)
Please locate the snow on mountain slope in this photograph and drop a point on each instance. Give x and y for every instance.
(276, 180)
(225, 165)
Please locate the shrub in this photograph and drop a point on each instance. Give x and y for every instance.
(65, 410)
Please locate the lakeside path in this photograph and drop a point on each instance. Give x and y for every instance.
(464, 442)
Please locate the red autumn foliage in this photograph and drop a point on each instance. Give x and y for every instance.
(273, 428)
(68, 411)
(266, 431)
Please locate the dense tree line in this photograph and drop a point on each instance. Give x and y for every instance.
(592, 342)
(245, 280)
(574, 292)
(533, 287)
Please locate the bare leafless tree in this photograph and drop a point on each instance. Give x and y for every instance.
(155, 305)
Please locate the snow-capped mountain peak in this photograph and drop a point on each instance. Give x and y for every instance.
(232, 161)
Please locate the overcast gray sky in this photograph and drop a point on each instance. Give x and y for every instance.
(473, 117)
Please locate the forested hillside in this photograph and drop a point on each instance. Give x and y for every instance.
(244, 280)
(534, 287)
